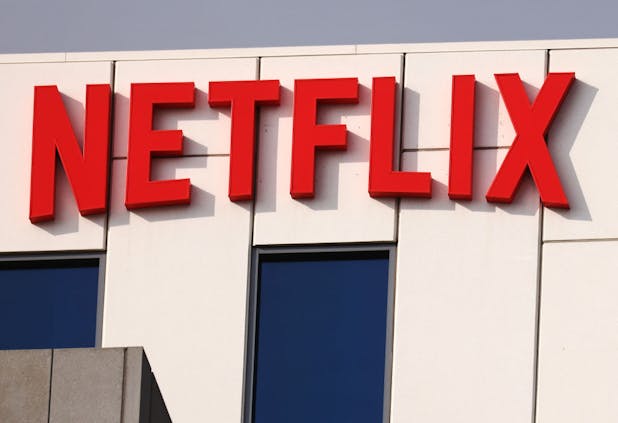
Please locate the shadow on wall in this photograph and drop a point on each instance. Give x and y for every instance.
(561, 139)
(202, 202)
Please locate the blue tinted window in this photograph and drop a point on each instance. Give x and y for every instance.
(321, 339)
(48, 304)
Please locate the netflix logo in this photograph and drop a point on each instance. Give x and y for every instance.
(87, 168)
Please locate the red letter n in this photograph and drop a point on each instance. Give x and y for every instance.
(52, 132)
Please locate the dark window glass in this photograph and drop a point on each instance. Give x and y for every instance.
(321, 338)
(48, 304)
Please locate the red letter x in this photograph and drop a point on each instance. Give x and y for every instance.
(529, 149)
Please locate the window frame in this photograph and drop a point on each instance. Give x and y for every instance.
(70, 256)
(257, 254)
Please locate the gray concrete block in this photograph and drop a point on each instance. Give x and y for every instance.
(136, 369)
(24, 386)
(87, 386)
(142, 401)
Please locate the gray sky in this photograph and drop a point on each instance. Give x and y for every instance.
(92, 25)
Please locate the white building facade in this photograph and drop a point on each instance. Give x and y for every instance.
(498, 312)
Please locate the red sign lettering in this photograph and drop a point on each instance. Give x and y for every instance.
(87, 170)
(462, 138)
(529, 149)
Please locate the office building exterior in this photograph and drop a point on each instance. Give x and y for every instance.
(375, 233)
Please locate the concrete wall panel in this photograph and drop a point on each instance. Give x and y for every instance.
(578, 373)
(176, 280)
(465, 301)
(24, 386)
(86, 386)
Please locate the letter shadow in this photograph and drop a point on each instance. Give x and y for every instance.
(486, 120)
(67, 216)
(77, 115)
(485, 163)
(410, 120)
(561, 139)
(202, 202)
(192, 121)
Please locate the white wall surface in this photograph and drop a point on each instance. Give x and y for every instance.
(578, 376)
(579, 312)
(468, 320)
(465, 301)
(176, 282)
